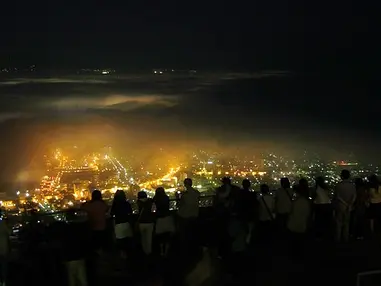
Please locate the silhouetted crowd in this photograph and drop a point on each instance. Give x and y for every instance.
(178, 248)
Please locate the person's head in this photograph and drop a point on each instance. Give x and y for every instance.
(265, 189)
(142, 195)
(345, 174)
(96, 195)
(120, 196)
(226, 181)
(303, 184)
(373, 180)
(246, 184)
(188, 183)
(160, 192)
(320, 182)
(359, 182)
(285, 183)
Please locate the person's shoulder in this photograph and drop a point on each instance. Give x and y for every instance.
(85, 205)
(340, 185)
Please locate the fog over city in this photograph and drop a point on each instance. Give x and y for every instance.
(140, 113)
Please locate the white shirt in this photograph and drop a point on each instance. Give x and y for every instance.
(322, 196)
(283, 200)
(189, 204)
(264, 214)
(299, 216)
(375, 197)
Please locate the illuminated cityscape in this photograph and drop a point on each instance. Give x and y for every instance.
(69, 179)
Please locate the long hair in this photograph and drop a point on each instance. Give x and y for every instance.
(119, 198)
(160, 193)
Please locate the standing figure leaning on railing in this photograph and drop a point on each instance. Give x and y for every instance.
(96, 211)
(145, 221)
(4, 249)
(165, 226)
(121, 212)
(244, 205)
(345, 196)
(222, 205)
(188, 211)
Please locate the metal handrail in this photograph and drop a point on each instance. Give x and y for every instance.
(78, 213)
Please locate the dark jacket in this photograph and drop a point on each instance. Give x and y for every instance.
(145, 211)
(162, 206)
(121, 211)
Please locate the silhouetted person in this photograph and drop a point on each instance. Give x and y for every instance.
(266, 214)
(299, 218)
(4, 249)
(345, 196)
(375, 202)
(188, 209)
(322, 208)
(165, 225)
(242, 216)
(222, 204)
(96, 211)
(145, 221)
(222, 200)
(360, 208)
(249, 207)
(75, 251)
(34, 233)
(121, 212)
(283, 201)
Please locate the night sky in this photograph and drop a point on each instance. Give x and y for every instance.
(330, 102)
(204, 34)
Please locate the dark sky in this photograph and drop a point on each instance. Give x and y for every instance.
(204, 34)
(331, 102)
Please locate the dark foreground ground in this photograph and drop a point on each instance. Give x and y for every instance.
(324, 263)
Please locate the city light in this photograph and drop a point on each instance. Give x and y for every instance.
(69, 181)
